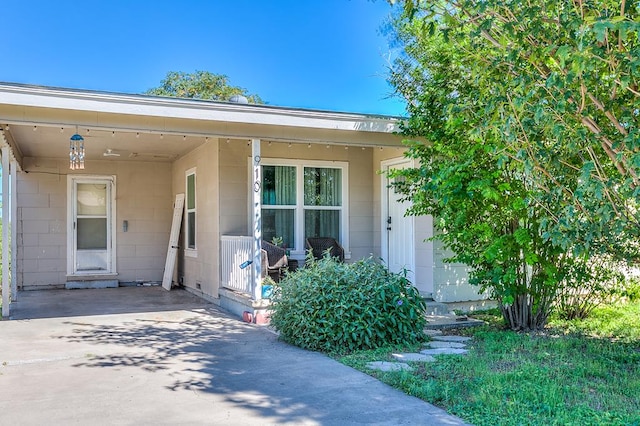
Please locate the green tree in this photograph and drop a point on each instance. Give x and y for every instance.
(200, 85)
(530, 113)
(479, 203)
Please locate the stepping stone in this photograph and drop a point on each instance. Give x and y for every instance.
(389, 366)
(432, 333)
(444, 351)
(412, 357)
(451, 338)
(438, 344)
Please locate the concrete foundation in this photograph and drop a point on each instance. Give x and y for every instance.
(74, 285)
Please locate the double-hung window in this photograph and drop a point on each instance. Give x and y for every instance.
(190, 212)
(303, 199)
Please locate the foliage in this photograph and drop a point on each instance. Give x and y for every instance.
(588, 284)
(200, 85)
(631, 292)
(543, 378)
(530, 113)
(337, 307)
(619, 322)
(558, 84)
(478, 201)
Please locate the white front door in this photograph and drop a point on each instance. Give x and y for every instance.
(399, 229)
(90, 225)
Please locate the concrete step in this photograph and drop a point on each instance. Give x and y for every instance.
(436, 308)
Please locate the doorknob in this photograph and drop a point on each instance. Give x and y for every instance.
(389, 223)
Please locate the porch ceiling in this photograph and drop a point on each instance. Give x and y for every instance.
(38, 122)
(46, 141)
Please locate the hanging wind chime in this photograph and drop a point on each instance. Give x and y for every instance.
(76, 152)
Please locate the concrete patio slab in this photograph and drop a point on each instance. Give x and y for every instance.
(147, 356)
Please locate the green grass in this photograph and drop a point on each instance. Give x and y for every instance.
(576, 373)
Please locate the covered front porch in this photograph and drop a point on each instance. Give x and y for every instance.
(141, 151)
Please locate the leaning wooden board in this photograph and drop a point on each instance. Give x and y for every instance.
(172, 250)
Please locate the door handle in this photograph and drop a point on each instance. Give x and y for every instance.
(389, 223)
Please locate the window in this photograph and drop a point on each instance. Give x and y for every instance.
(301, 200)
(190, 211)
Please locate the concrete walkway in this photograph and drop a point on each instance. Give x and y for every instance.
(438, 345)
(144, 356)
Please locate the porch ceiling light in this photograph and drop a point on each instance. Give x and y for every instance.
(76, 152)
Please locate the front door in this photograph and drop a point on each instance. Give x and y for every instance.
(91, 216)
(399, 229)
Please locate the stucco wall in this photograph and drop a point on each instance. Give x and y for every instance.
(451, 280)
(234, 189)
(200, 272)
(143, 198)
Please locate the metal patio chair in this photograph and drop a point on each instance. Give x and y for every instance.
(274, 261)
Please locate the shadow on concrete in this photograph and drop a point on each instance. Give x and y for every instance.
(215, 353)
(245, 366)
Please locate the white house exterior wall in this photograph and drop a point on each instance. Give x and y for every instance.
(200, 272)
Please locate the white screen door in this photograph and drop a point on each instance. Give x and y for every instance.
(91, 225)
(400, 231)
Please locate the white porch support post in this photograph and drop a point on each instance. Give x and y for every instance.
(257, 219)
(13, 220)
(6, 201)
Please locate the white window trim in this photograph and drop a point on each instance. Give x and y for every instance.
(71, 214)
(300, 252)
(190, 252)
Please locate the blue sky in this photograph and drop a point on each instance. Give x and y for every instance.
(319, 54)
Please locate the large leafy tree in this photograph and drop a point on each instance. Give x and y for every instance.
(479, 203)
(530, 113)
(558, 84)
(200, 85)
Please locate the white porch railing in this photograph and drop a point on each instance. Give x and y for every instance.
(234, 251)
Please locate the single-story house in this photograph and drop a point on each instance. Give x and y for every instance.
(104, 189)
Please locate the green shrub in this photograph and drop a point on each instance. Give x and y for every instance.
(589, 283)
(631, 291)
(336, 307)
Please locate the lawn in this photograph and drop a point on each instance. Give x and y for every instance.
(575, 373)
